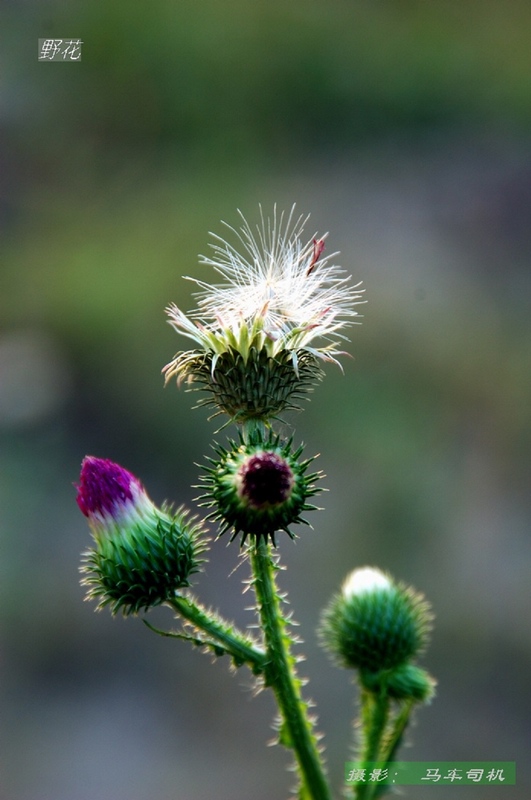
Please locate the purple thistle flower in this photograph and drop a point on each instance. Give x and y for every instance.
(259, 487)
(266, 480)
(103, 485)
(142, 554)
(108, 494)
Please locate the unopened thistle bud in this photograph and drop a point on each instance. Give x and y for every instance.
(142, 554)
(259, 487)
(259, 336)
(407, 682)
(376, 625)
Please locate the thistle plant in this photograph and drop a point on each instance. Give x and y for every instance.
(260, 339)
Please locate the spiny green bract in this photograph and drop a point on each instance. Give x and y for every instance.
(258, 387)
(142, 566)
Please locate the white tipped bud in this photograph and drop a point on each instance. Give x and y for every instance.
(363, 580)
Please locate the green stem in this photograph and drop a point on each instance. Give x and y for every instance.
(251, 426)
(393, 743)
(399, 727)
(374, 714)
(241, 647)
(296, 731)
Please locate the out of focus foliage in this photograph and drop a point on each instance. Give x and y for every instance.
(115, 165)
(273, 75)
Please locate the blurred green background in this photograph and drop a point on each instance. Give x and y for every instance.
(405, 129)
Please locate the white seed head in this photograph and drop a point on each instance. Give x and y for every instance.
(279, 292)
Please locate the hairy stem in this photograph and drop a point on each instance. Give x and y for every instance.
(296, 731)
(375, 713)
(240, 647)
(399, 726)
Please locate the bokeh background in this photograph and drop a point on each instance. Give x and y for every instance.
(405, 129)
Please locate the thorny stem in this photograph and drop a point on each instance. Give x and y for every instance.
(296, 731)
(239, 646)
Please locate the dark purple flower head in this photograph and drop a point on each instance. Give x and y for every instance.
(266, 479)
(105, 488)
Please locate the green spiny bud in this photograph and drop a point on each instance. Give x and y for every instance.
(142, 554)
(407, 682)
(259, 487)
(375, 625)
